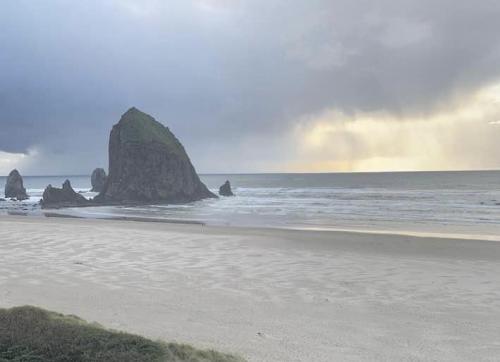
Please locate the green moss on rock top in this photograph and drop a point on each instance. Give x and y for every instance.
(140, 128)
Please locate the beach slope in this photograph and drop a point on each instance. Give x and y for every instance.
(266, 295)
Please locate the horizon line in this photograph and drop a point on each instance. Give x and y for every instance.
(293, 173)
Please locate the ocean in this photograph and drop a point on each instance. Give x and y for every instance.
(462, 203)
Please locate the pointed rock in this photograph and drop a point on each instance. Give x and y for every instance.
(148, 164)
(225, 190)
(14, 187)
(54, 198)
(98, 180)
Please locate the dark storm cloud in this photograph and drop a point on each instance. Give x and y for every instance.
(222, 72)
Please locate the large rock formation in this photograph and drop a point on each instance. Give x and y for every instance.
(147, 164)
(54, 197)
(98, 180)
(225, 190)
(14, 187)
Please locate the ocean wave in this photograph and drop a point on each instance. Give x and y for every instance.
(440, 200)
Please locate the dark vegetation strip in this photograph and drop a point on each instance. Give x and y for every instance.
(30, 334)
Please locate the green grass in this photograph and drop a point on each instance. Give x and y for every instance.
(29, 334)
(139, 127)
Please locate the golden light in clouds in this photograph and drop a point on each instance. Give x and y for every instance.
(463, 136)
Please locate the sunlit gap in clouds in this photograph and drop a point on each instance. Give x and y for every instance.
(9, 161)
(462, 135)
(20, 161)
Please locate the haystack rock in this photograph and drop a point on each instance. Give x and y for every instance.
(147, 164)
(225, 190)
(14, 187)
(54, 197)
(98, 180)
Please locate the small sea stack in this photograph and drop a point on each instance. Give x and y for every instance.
(148, 164)
(14, 187)
(225, 190)
(54, 198)
(98, 180)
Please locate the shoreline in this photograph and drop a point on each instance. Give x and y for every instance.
(396, 232)
(122, 218)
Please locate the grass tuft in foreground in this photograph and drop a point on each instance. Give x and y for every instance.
(29, 334)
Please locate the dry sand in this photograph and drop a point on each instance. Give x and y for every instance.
(268, 295)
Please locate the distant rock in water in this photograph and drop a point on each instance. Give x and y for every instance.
(54, 198)
(14, 187)
(225, 190)
(147, 164)
(98, 180)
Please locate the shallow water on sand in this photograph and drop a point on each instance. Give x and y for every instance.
(429, 202)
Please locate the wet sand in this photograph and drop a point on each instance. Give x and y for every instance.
(267, 295)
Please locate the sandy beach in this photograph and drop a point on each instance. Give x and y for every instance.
(267, 295)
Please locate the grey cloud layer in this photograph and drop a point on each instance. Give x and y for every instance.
(222, 72)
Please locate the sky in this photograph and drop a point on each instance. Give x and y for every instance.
(254, 85)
